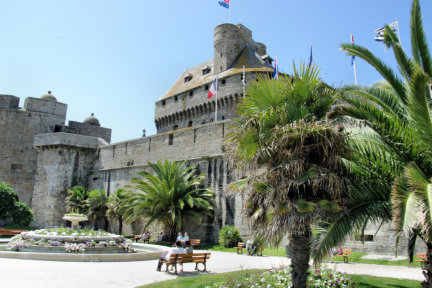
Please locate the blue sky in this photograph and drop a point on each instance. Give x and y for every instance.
(116, 58)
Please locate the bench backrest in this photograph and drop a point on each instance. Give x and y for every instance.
(189, 257)
(195, 242)
(240, 244)
(346, 251)
(421, 255)
(12, 231)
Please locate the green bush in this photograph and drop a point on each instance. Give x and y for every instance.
(8, 197)
(229, 236)
(22, 214)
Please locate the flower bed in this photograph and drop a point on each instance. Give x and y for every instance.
(281, 277)
(70, 240)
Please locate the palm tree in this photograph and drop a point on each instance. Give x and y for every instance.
(97, 206)
(293, 158)
(397, 111)
(76, 199)
(115, 204)
(170, 194)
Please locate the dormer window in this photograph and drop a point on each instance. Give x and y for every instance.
(206, 70)
(188, 78)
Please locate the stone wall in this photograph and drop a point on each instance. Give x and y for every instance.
(194, 109)
(64, 160)
(202, 145)
(382, 242)
(17, 155)
(89, 130)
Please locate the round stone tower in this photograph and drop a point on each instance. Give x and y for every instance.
(227, 45)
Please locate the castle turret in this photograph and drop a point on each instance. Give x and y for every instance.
(227, 46)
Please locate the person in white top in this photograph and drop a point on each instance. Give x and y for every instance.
(185, 238)
(167, 254)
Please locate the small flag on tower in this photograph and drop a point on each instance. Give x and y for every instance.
(224, 3)
(213, 89)
(276, 70)
(353, 57)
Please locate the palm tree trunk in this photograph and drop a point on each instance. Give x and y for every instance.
(120, 225)
(170, 232)
(300, 245)
(427, 271)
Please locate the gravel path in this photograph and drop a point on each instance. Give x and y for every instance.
(46, 274)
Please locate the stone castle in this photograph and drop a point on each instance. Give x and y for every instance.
(41, 157)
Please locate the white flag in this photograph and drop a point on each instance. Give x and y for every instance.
(380, 32)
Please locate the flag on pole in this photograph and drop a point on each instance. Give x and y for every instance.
(380, 32)
(353, 57)
(276, 70)
(310, 57)
(224, 3)
(213, 89)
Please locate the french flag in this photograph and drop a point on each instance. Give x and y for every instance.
(213, 89)
(224, 3)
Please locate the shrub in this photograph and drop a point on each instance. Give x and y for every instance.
(229, 236)
(8, 197)
(22, 214)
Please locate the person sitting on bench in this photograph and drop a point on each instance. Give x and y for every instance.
(160, 238)
(167, 254)
(145, 237)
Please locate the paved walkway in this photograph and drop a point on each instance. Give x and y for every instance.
(46, 274)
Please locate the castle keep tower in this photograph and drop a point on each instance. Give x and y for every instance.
(186, 104)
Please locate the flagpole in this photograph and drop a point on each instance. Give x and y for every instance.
(355, 72)
(229, 13)
(217, 88)
(354, 62)
(400, 42)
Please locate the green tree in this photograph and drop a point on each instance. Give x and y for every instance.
(397, 111)
(12, 209)
(115, 204)
(97, 206)
(293, 159)
(76, 201)
(8, 197)
(172, 192)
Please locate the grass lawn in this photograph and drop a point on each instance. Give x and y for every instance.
(379, 282)
(208, 279)
(269, 251)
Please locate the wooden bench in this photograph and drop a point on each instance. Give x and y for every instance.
(345, 254)
(138, 237)
(421, 257)
(195, 242)
(240, 247)
(196, 258)
(11, 232)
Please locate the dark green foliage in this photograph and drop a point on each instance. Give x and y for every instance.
(97, 205)
(8, 197)
(174, 192)
(77, 199)
(229, 236)
(11, 208)
(22, 214)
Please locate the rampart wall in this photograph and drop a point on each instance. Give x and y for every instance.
(201, 145)
(17, 155)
